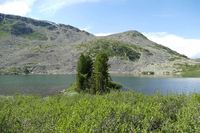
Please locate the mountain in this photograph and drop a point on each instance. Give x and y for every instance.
(41, 47)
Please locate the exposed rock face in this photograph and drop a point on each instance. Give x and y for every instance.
(21, 29)
(1, 18)
(44, 47)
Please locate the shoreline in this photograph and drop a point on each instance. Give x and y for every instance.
(111, 73)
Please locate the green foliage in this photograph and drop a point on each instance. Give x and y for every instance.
(18, 28)
(13, 70)
(198, 59)
(100, 74)
(71, 90)
(6, 25)
(114, 86)
(113, 48)
(26, 69)
(40, 48)
(174, 58)
(84, 72)
(16, 70)
(3, 34)
(36, 36)
(5, 29)
(190, 70)
(94, 78)
(113, 112)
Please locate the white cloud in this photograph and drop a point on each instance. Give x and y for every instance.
(23, 7)
(54, 5)
(16, 7)
(187, 46)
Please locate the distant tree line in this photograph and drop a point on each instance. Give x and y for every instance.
(93, 76)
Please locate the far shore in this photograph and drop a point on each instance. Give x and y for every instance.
(117, 74)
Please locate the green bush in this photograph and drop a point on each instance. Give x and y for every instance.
(113, 112)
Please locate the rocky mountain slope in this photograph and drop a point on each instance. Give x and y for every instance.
(42, 47)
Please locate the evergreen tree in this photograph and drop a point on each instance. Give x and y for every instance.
(88, 72)
(100, 75)
(94, 78)
(89, 66)
(84, 72)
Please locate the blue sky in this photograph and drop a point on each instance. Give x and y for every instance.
(173, 23)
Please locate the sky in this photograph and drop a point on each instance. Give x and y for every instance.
(173, 23)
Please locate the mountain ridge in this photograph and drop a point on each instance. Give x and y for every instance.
(43, 47)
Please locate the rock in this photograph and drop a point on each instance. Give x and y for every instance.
(21, 29)
(1, 17)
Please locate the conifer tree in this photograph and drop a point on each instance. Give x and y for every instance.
(84, 72)
(100, 74)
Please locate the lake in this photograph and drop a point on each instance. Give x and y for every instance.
(52, 84)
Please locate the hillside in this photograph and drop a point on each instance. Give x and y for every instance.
(42, 47)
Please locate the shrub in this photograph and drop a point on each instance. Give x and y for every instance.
(114, 112)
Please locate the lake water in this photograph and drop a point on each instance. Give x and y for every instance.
(52, 84)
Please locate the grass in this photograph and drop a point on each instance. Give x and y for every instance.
(6, 28)
(198, 59)
(36, 36)
(40, 48)
(191, 70)
(3, 34)
(16, 70)
(6, 25)
(114, 112)
(174, 58)
(11, 71)
(113, 48)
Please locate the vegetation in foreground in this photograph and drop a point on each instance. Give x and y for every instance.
(113, 112)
